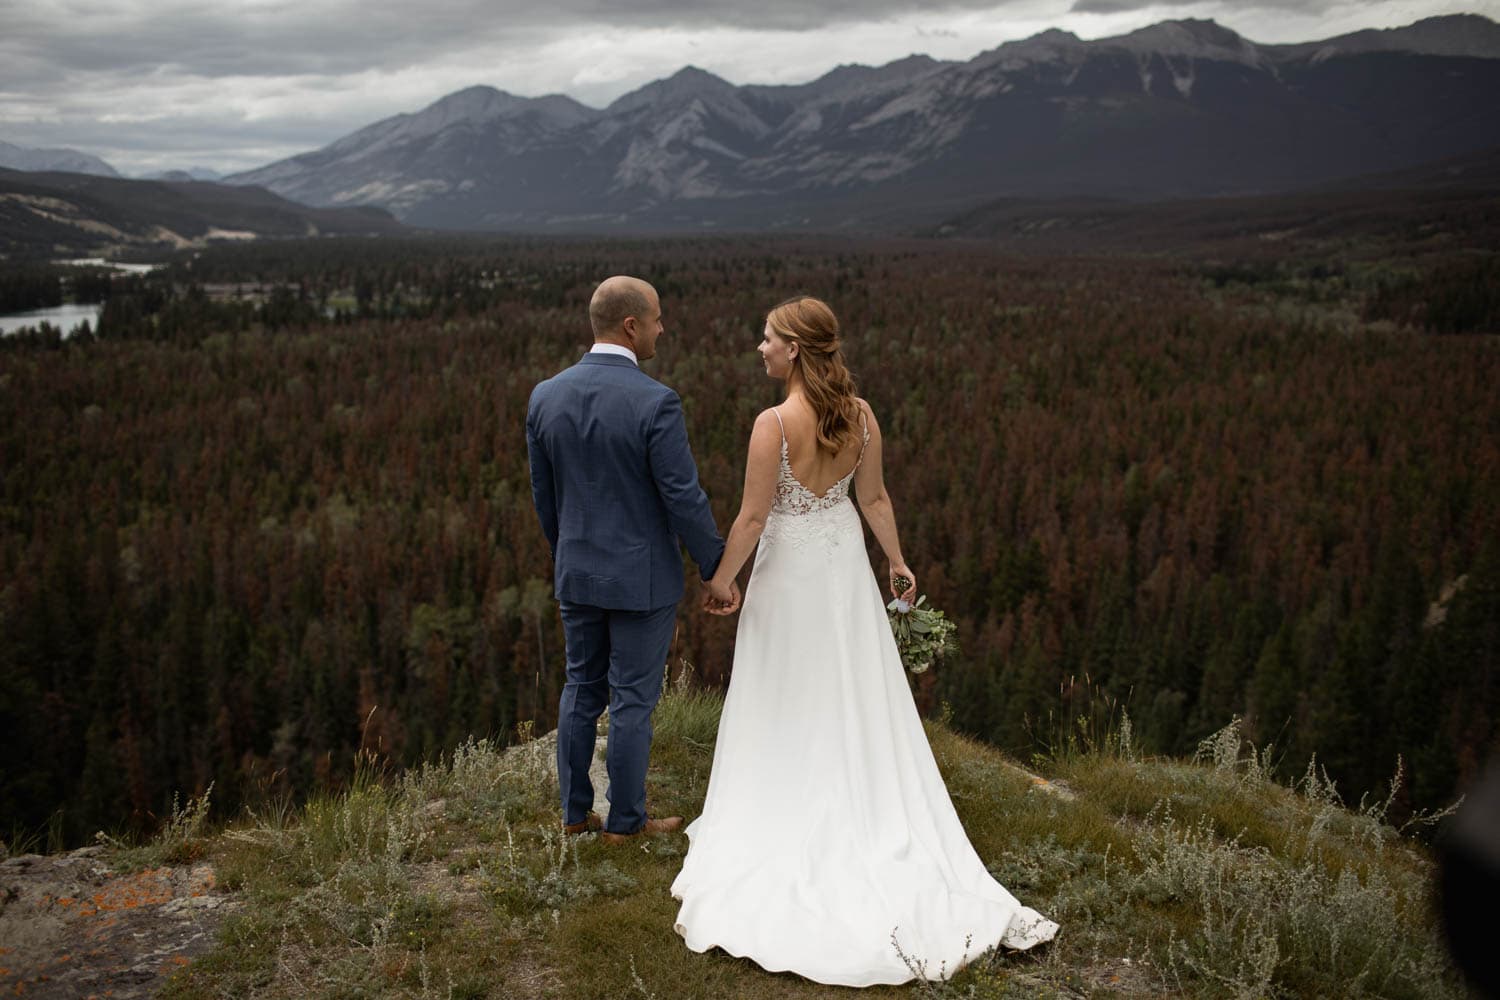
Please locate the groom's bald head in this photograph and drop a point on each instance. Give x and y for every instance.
(617, 299)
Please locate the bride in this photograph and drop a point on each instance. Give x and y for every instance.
(828, 845)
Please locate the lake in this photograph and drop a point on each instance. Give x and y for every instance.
(65, 318)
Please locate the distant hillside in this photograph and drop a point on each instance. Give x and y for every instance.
(1452, 202)
(1476, 171)
(20, 158)
(50, 214)
(191, 174)
(1179, 109)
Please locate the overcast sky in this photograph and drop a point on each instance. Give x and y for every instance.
(232, 84)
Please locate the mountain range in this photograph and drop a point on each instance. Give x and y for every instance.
(1179, 109)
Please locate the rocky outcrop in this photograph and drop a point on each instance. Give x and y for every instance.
(72, 926)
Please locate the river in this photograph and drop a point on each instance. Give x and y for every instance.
(68, 317)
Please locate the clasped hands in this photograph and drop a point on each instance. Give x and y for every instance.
(720, 598)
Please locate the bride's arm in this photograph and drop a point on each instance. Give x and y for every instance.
(875, 503)
(761, 467)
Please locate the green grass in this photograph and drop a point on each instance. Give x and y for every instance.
(1169, 878)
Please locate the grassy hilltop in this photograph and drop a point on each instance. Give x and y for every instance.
(1170, 878)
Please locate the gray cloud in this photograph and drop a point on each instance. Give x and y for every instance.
(1113, 6)
(1208, 8)
(307, 39)
(344, 36)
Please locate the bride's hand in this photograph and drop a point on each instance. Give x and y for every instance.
(903, 582)
(720, 598)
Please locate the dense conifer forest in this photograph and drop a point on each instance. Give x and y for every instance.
(276, 508)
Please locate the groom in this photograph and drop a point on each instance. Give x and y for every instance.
(615, 488)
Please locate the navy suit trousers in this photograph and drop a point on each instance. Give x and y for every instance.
(618, 658)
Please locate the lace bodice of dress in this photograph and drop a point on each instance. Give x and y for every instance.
(794, 498)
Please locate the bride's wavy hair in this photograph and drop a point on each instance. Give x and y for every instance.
(829, 386)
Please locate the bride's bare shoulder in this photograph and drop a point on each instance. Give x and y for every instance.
(767, 421)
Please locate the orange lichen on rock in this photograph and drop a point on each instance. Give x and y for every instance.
(202, 884)
(148, 888)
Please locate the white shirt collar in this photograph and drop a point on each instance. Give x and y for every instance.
(623, 352)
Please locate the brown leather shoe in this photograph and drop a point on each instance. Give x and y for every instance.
(591, 824)
(666, 824)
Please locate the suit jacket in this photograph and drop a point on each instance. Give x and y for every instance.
(616, 487)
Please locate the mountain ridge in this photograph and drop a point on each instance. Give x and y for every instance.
(1181, 108)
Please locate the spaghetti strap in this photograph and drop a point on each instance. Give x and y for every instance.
(777, 410)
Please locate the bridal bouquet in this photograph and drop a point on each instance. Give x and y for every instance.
(922, 632)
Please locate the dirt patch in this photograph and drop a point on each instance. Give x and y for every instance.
(73, 927)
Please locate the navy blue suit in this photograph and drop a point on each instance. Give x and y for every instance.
(616, 490)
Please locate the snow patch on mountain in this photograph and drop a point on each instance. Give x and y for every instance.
(396, 195)
(922, 102)
(664, 174)
(804, 123)
(1183, 80)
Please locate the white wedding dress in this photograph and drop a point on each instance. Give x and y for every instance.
(828, 837)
